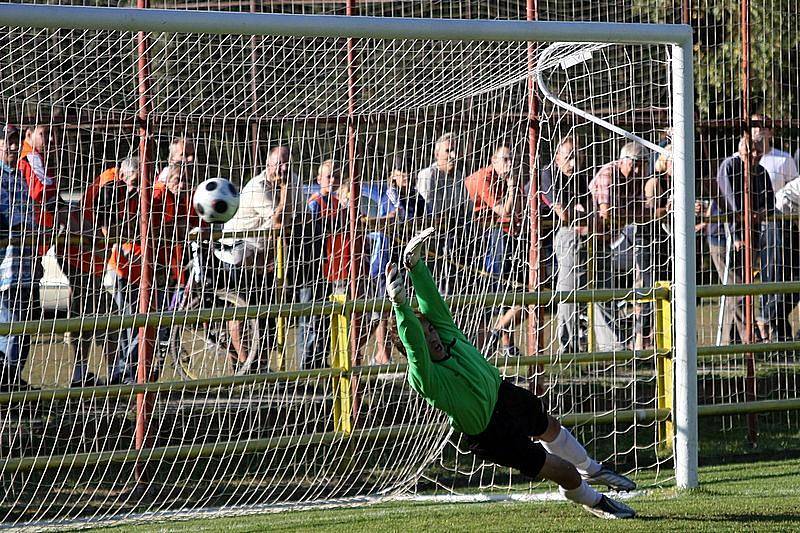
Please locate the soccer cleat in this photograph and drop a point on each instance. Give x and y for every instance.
(610, 509)
(612, 480)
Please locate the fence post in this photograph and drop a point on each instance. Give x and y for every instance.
(280, 322)
(340, 358)
(664, 383)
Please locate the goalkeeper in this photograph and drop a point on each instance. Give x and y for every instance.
(497, 418)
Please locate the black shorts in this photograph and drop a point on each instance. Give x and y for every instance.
(518, 416)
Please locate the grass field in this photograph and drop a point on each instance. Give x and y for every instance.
(756, 496)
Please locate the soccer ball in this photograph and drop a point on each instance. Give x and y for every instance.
(216, 200)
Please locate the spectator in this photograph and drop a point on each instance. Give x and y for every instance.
(441, 185)
(117, 209)
(571, 203)
(779, 164)
(617, 191)
(406, 210)
(181, 155)
(124, 175)
(782, 170)
(773, 235)
(497, 196)
(18, 263)
(658, 201)
(329, 219)
(265, 204)
(83, 268)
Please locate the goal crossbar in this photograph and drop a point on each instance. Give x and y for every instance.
(286, 25)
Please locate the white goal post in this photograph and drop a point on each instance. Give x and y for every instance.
(679, 37)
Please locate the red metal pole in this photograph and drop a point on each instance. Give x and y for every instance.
(144, 401)
(750, 363)
(534, 337)
(254, 129)
(355, 199)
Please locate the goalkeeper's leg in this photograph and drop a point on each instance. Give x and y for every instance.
(557, 440)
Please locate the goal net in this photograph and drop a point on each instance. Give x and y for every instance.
(263, 376)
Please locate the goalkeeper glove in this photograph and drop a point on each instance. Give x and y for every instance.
(413, 249)
(395, 288)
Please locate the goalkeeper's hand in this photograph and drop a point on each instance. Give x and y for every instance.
(413, 249)
(395, 288)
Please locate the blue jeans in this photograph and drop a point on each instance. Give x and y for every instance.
(313, 337)
(126, 297)
(776, 266)
(16, 304)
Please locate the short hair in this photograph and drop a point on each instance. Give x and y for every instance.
(569, 139)
(129, 164)
(632, 150)
(283, 150)
(501, 146)
(663, 158)
(327, 163)
(446, 137)
(763, 118)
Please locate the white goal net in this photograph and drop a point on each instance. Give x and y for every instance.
(263, 375)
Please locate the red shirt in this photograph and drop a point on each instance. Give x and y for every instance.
(168, 215)
(486, 190)
(337, 245)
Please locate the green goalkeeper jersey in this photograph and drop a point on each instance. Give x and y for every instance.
(464, 385)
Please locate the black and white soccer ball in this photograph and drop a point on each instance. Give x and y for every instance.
(216, 200)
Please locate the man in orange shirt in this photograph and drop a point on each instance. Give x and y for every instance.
(83, 268)
(497, 195)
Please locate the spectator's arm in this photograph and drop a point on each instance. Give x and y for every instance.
(277, 213)
(651, 195)
(425, 184)
(600, 187)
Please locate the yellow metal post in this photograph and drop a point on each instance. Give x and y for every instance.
(280, 326)
(340, 358)
(664, 386)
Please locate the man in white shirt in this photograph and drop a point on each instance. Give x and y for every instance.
(441, 185)
(267, 202)
(781, 170)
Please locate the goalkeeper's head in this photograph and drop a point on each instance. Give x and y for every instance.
(436, 348)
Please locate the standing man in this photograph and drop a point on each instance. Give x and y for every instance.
(571, 203)
(441, 185)
(622, 247)
(79, 262)
(498, 200)
(497, 418)
(773, 235)
(19, 285)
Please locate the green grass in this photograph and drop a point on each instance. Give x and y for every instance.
(759, 496)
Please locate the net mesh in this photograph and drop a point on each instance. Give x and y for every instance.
(264, 408)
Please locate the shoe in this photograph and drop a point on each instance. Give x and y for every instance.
(20, 385)
(610, 509)
(611, 479)
(510, 351)
(89, 380)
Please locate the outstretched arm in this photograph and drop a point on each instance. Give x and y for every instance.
(430, 300)
(409, 329)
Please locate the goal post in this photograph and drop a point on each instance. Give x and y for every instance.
(313, 419)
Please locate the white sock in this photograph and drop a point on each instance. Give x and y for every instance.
(584, 494)
(569, 449)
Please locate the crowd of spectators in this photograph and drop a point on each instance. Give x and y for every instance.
(608, 227)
